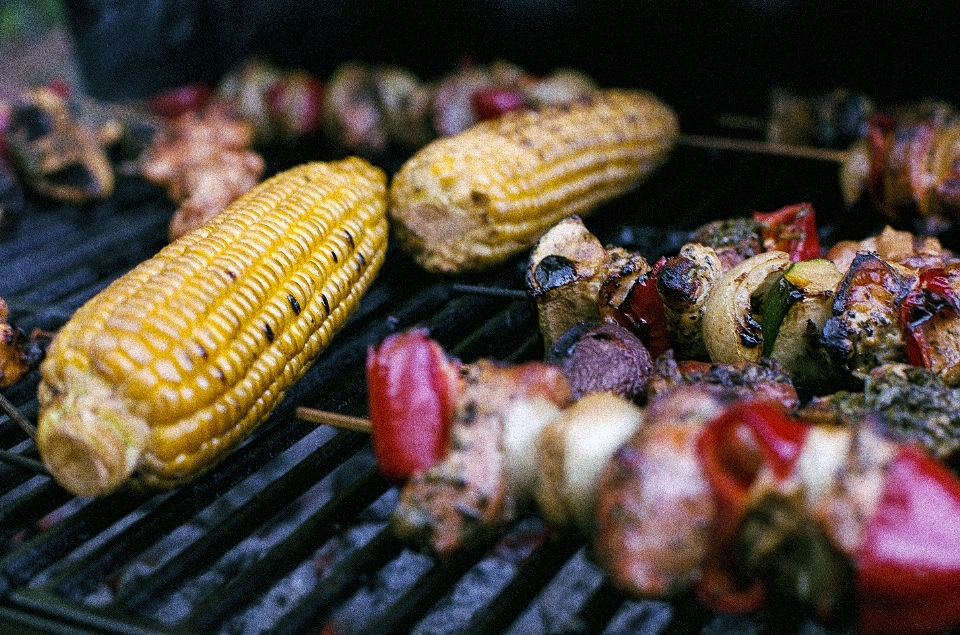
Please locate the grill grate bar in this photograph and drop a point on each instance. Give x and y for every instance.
(314, 609)
(67, 535)
(542, 566)
(73, 618)
(107, 250)
(79, 579)
(400, 618)
(292, 551)
(22, 462)
(135, 594)
(597, 611)
(26, 511)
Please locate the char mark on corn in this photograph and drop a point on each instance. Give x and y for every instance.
(469, 201)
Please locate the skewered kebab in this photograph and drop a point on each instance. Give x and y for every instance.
(574, 278)
(704, 467)
(282, 104)
(832, 119)
(901, 158)
(370, 108)
(887, 298)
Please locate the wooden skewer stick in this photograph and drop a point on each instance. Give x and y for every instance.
(742, 122)
(17, 416)
(763, 147)
(335, 419)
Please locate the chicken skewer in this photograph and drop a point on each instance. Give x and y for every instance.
(709, 468)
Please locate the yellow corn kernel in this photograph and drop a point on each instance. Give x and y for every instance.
(471, 200)
(175, 363)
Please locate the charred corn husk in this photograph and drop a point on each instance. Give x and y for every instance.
(174, 364)
(471, 200)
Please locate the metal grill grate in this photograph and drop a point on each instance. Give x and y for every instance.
(289, 535)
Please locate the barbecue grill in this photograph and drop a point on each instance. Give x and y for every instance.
(289, 534)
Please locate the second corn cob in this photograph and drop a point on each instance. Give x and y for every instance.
(174, 364)
(471, 200)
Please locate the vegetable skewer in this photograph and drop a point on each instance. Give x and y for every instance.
(842, 486)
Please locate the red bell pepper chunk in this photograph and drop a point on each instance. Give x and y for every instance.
(296, 102)
(908, 566)
(792, 229)
(176, 101)
(494, 101)
(59, 87)
(642, 313)
(732, 450)
(412, 392)
(932, 296)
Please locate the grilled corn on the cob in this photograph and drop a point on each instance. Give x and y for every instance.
(473, 199)
(175, 363)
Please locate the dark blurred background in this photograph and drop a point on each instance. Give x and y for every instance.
(702, 57)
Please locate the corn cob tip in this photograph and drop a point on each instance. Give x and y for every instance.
(88, 440)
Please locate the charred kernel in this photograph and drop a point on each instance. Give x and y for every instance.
(268, 332)
(479, 198)
(326, 303)
(294, 304)
(333, 255)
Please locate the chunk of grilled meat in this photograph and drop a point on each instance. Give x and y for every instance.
(603, 357)
(58, 152)
(734, 239)
(913, 251)
(765, 378)
(864, 331)
(467, 496)
(909, 166)
(567, 266)
(18, 353)
(204, 161)
(833, 119)
(908, 402)
(368, 109)
(655, 508)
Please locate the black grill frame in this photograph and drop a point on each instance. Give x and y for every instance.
(60, 256)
